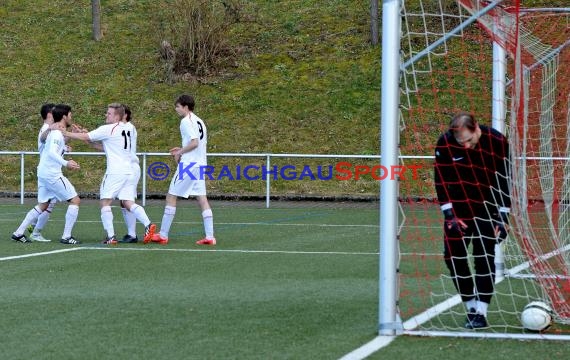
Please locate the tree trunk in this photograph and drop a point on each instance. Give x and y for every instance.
(374, 22)
(96, 10)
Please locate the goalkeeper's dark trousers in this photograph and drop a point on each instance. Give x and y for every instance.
(480, 234)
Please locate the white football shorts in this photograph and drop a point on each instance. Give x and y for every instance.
(59, 188)
(186, 185)
(116, 186)
(133, 182)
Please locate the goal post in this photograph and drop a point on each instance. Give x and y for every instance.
(510, 67)
(389, 128)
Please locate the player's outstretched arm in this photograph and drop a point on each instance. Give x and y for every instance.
(76, 136)
(80, 129)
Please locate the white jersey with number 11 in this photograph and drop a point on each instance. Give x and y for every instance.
(117, 143)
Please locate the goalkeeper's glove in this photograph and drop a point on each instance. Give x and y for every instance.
(502, 225)
(504, 217)
(451, 222)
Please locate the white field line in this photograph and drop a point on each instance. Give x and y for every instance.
(238, 251)
(512, 336)
(369, 348)
(212, 250)
(16, 257)
(246, 251)
(261, 223)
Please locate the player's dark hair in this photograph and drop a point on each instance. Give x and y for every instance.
(59, 111)
(128, 113)
(463, 120)
(186, 100)
(46, 109)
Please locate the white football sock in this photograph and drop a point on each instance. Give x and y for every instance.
(471, 304)
(107, 219)
(208, 223)
(31, 216)
(167, 218)
(70, 218)
(43, 219)
(482, 308)
(130, 221)
(140, 214)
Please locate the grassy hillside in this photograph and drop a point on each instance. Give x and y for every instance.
(306, 80)
(296, 77)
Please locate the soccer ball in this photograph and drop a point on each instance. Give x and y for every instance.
(536, 316)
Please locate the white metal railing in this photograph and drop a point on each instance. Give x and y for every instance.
(266, 156)
(143, 155)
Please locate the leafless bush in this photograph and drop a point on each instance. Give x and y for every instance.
(194, 37)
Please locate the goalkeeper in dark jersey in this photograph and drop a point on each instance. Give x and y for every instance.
(472, 183)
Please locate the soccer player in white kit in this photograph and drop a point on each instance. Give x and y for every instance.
(130, 219)
(35, 229)
(194, 141)
(51, 182)
(116, 136)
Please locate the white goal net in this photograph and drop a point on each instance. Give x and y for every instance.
(450, 63)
